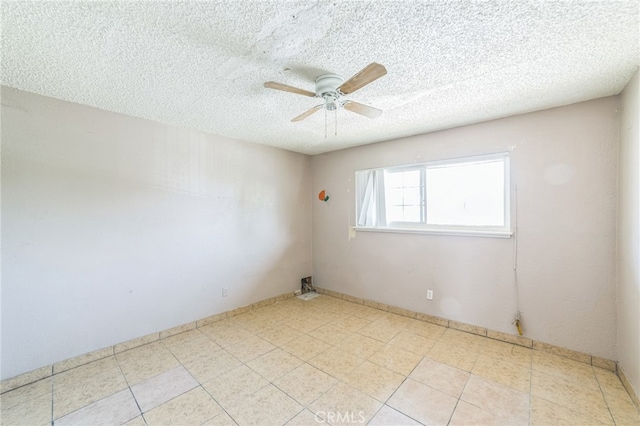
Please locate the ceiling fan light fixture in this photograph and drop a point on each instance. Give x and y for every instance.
(330, 101)
(331, 87)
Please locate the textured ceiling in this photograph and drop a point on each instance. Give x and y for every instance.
(202, 64)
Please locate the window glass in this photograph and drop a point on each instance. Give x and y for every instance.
(459, 194)
(404, 191)
(466, 194)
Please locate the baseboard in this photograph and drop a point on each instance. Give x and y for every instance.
(53, 369)
(481, 331)
(50, 370)
(589, 359)
(627, 384)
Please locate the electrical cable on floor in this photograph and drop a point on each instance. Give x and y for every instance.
(517, 321)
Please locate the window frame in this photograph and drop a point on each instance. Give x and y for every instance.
(423, 195)
(464, 230)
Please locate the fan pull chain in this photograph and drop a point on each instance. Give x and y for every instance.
(336, 121)
(325, 123)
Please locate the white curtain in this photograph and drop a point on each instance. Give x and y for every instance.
(370, 198)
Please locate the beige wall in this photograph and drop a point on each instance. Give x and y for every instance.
(115, 227)
(564, 163)
(628, 241)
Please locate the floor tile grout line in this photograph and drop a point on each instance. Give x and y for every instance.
(530, 387)
(92, 403)
(269, 382)
(329, 345)
(391, 396)
(603, 395)
(218, 402)
(384, 344)
(181, 365)
(530, 373)
(137, 405)
(305, 406)
(454, 410)
(296, 414)
(573, 410)
(345, 302)
(129, 387)
(53, 393)
(396, 390)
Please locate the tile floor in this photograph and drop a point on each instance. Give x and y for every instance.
(324, 361)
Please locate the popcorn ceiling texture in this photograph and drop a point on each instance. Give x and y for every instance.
(202, 64)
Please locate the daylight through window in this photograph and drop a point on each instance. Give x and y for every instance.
(459, 195)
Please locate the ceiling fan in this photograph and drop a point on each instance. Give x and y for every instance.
(331, 88)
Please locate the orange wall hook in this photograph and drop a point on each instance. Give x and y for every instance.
(322, 196)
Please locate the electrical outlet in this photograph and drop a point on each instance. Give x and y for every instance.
(224, 292)
(430, 294)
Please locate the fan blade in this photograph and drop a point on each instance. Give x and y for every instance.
(362, 109)
(370, 73)
(308, 113)
(285, 88)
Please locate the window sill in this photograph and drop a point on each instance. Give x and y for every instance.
(452, 232)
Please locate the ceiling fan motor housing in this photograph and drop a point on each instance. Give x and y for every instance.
(331, 88)
(328, 83)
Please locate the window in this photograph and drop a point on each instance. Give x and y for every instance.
(404, 192)
(462, 196)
